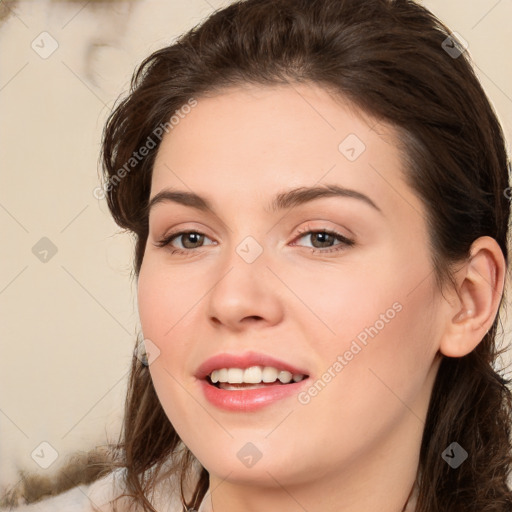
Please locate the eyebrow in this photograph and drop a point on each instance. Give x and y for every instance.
(281, 201)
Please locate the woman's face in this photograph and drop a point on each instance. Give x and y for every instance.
(261, 281)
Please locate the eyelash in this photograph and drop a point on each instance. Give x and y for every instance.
(345, 242)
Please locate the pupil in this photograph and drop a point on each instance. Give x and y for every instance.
(324, 243)
(190, 236)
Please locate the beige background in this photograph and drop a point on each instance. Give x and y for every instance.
(68, 325)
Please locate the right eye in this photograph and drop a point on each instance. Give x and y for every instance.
(189, 238)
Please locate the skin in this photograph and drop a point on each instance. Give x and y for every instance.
(363, 430)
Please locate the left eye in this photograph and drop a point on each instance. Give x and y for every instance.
(324, 239)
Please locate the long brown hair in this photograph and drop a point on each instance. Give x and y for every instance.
(396, 61)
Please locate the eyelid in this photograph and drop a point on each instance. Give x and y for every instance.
(308, 230)
(169, 237)
(182, 228)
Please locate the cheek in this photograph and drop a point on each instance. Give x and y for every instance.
(370, 387)
(168, 301)
(166, 298)
(164, 305)
(374, 330)
(381, 355)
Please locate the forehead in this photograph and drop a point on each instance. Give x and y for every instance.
(252, 139)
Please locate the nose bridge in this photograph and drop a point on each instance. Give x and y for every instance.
(249, 250)
(244, 289)
(246, 267)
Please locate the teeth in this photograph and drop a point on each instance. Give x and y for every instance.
(235, 375)
(269, 374)
(285, 377)
(254, 375)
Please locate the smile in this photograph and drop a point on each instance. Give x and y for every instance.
(248, 382)
(252, 375)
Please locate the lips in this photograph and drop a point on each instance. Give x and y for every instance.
(247, 397)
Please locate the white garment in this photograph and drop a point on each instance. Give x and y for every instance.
(97, 497)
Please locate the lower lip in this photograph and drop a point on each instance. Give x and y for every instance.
(245, 400)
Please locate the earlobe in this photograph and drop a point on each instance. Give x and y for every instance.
(480, 285)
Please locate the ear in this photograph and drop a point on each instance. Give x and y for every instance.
(480, 284)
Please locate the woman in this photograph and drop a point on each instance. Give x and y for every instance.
(318, 194)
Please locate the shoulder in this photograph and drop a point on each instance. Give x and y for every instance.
(73, 500)
(102, 495)
(95, 497)
(104, 492)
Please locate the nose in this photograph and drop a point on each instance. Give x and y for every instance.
(245, 294)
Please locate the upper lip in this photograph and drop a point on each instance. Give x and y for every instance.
(244, 361)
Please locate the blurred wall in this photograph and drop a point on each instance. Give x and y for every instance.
(67, 300)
